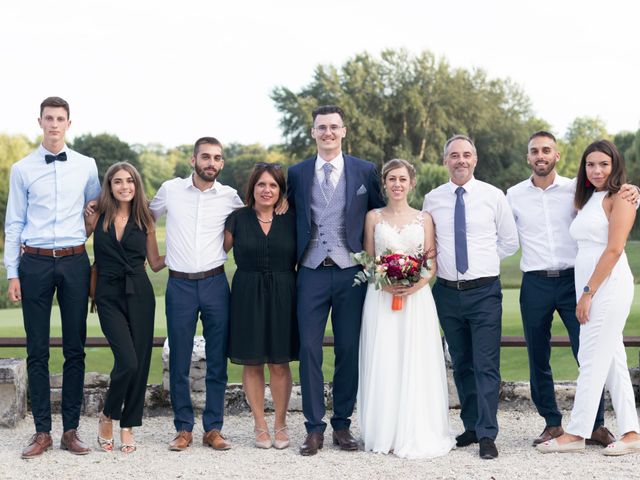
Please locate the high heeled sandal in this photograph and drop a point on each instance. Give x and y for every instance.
(105, 444)
(281, 444)
(264, 444)
(127, 447)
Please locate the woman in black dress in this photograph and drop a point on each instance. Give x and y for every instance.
(124, 235)
(263, 326)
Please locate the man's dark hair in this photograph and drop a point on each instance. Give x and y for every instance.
(55, 102)
(205, 141)
(543, 133)
(326, 110)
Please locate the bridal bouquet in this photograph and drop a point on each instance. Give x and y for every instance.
(391, 268)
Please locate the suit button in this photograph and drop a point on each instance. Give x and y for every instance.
(324, 242)
(329, 250)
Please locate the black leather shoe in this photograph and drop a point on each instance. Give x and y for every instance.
(466, 438)
(312, 444)
(488, 450)
(345, 440)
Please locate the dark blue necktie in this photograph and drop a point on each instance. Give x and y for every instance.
(61, 157)
(460, 229)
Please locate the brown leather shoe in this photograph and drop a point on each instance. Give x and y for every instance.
(601, 436)
(39, 443)
(345, 440)
(181, 441)
(547, 434)
(215, 440)
(312, 444)
(71, 441)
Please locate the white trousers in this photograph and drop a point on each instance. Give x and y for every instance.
(603, 359)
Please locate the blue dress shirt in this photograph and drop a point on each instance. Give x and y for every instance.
(46, 201)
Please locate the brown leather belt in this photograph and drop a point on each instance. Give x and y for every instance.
(54, 252)
(197, 275)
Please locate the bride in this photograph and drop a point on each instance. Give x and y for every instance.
(402, 395)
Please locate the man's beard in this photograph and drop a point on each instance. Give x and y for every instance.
(205, 176)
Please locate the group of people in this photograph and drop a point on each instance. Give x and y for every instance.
(292, 245)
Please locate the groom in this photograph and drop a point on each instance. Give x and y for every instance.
(331, 193)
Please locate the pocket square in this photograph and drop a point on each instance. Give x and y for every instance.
(362, 190)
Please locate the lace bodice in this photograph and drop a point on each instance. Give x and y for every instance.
(408, 238)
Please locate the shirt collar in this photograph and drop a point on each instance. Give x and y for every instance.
(43, 151)
(337, 163)
(554, 184)
(467, 186)
(188, 183)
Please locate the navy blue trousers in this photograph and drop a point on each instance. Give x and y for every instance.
(540, 297)
(472, 325)
(185, 301)
(68, 277)
(321, 290)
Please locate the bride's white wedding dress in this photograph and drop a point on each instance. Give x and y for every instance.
(402, 396)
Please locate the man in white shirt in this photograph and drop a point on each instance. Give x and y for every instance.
(197, 208)
(474, 231)
(543, 209)
(44, 253)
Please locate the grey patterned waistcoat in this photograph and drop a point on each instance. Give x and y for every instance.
(328, 235)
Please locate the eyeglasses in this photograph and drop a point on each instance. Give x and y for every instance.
(324, 128)
(275, 166)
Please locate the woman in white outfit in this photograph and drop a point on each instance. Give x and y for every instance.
(604, 286)
(402, 396)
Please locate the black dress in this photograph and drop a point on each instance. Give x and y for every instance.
(263, 326)
(126, 308)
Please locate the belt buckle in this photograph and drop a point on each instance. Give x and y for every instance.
(53, 253)
(553, 273)
(458, 284)
(197, 276)
(328, 262)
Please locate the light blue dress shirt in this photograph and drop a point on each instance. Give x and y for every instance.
(46, 201)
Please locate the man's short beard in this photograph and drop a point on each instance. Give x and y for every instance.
(203, 176)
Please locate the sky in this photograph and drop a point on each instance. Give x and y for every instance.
(169, 72)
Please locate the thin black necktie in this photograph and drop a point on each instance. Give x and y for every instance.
(61, 157)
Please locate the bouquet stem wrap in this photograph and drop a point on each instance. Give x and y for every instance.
(397, 303)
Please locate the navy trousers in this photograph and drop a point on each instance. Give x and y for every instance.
(321, 290)
(539, 298)
(68, 277)
(472, 325)
(185, 300)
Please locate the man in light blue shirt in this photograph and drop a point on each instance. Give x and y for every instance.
(44, 252)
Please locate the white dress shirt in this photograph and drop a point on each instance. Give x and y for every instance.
(491, 230)
(337, 164)
(195, 223)
(543, 218)
(46, 202)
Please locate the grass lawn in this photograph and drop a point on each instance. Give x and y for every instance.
(513, 361)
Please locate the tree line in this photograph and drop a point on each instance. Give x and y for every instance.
(396, 105)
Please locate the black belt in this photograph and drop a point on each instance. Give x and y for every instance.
(467, 284)
(553, 273)
(328, 262)
(197, 275)
(54, 252)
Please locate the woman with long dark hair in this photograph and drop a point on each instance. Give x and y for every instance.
(604, 290)
(124, 236)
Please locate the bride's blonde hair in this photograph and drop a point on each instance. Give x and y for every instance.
(399, 163)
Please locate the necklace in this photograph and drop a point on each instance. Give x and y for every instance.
(264, 221)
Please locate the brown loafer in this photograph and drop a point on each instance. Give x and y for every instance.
(548, 433)
(71, 441)
(313, 443)
(345, 440)
(39, 443)
(215, 440)
(181, 441)
(601, 436)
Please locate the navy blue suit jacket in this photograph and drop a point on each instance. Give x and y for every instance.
(363, 194)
